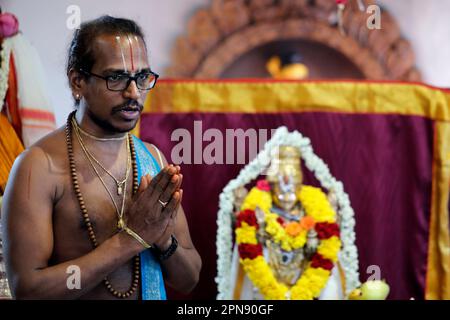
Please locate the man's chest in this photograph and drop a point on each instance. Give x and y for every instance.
(94, 204)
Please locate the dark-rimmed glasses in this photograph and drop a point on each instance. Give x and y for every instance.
(119, 82)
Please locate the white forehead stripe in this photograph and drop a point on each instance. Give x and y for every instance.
(139, 61)
(122, 54)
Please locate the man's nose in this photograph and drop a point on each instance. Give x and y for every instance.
(132, 91)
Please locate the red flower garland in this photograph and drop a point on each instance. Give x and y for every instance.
(250, 251)
(247, 216)
(326, 230)
(263, 185)
(318, 261)
(280, 220)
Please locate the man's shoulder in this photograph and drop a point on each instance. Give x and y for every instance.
(156, 153)
(52, 140)
(50, 147)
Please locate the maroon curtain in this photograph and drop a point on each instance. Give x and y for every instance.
(384, 162)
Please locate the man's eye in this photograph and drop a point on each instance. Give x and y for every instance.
(143, 76)
(116, 77)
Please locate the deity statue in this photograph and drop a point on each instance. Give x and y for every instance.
(285, 178)
(287, 237)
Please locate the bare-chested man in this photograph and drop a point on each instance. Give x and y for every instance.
(69, 203)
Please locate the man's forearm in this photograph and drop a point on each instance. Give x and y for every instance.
(182, 269)
(51, 282)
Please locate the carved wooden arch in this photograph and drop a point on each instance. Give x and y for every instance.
(218, 35)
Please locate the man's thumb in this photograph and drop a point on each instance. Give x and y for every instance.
(145, 180)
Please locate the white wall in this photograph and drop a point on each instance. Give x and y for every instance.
(44, 24)
(424, 23)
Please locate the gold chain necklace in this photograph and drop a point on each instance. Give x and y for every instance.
(120, 221)
(119, 184)
(97, 138)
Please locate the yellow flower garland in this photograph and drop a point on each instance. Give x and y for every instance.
(313, 280)
(246, 234)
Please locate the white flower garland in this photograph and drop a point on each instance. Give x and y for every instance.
(4, 69)
(349, 252)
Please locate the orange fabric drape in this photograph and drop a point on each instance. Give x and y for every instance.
(12, 100)
(10, 148)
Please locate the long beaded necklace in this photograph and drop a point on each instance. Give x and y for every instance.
(87, 221)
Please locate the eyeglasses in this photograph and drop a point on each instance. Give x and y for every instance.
(119, 82)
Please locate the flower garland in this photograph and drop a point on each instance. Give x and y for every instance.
(4, 69)
(224, 241)
(319, 215)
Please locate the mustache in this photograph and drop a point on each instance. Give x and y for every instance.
(129, 105)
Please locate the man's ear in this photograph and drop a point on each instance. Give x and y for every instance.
(76, 80)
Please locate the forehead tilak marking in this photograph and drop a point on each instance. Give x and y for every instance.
(131, 52)
(140, 62)
(144, 55)
(121, 53)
